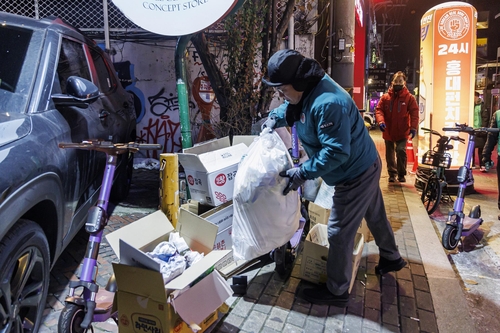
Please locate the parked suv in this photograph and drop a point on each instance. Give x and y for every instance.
(55, 86)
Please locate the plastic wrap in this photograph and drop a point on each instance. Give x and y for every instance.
(264, 218)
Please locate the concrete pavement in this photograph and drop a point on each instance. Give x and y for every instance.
(438, 291)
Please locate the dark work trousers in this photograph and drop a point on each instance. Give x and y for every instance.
(353, 201)
(395, 155)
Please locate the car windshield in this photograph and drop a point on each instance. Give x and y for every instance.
(19, 49)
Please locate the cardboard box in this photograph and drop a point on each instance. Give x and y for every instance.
(210, 169)
(315, 254)
(156, 307)
(320, 215)
(210, 223)
(217, 223)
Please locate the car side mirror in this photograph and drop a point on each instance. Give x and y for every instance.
(80, 93)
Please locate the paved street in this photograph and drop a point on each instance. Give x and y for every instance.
(437, 292)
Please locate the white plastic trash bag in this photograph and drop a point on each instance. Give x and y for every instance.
(264, 218)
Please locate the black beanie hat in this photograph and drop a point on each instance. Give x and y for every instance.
(282, 67)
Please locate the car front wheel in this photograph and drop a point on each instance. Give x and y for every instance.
(24, 277)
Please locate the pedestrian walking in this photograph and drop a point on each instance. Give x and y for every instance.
(481, 119)
(397, 116)
(492, 140)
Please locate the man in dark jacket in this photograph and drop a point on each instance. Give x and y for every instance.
(343, 154)
(397, 116)
(481, 119)
(492, 140)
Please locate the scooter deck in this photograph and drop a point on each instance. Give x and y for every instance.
(470, 225)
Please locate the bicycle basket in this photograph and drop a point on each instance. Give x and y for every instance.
(436, 159)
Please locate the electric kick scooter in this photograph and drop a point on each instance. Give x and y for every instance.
(459, 225)
(95, 304)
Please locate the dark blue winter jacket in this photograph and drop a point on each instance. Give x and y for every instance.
(332, 133)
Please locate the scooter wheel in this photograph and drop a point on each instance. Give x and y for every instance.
(71, 317)
(449, 235)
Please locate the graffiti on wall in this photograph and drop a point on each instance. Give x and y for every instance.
(161, 130)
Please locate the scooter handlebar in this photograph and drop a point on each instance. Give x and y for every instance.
(109, 147)
(431, 131)
(468, 129)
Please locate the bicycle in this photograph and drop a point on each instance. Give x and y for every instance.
(439, 160)
(458, 225)
(95, 304)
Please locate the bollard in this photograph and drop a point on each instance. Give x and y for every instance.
(169, 186)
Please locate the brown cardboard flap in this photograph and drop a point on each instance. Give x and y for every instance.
(215, 291)
(195, 271)
(140, 281)
(198, 233)
(147, 230)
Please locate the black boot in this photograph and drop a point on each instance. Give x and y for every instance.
(385, 265)
(322, 296)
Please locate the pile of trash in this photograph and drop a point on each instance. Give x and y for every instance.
(174, 256)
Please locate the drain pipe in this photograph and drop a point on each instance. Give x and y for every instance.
(181, 78)
(182, 93)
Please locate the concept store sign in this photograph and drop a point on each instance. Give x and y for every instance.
(175, 17)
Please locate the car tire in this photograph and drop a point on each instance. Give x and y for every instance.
(24, 277)
(123, 180)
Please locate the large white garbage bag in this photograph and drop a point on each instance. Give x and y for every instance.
(263, 218)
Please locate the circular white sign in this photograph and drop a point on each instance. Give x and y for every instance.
(174, 17)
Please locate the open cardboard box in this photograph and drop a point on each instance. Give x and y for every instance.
(320, 215)
(144, 302)
(315, 255)
(210, 168)
(216, 223)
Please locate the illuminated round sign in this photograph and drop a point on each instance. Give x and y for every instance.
(175, 17)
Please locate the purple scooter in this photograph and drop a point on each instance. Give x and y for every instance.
(459, 225)
(95, 304)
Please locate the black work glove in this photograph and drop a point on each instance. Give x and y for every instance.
(270, 123)
(297, 179)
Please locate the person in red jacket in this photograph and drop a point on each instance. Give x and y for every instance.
(397, 116)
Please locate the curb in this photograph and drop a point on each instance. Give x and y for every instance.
(450, 304)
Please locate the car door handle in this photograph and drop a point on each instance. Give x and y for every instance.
(103, 115)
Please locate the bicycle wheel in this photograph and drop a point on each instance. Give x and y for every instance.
(431, 195)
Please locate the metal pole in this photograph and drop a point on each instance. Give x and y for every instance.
(182, 93)
(106, 24)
